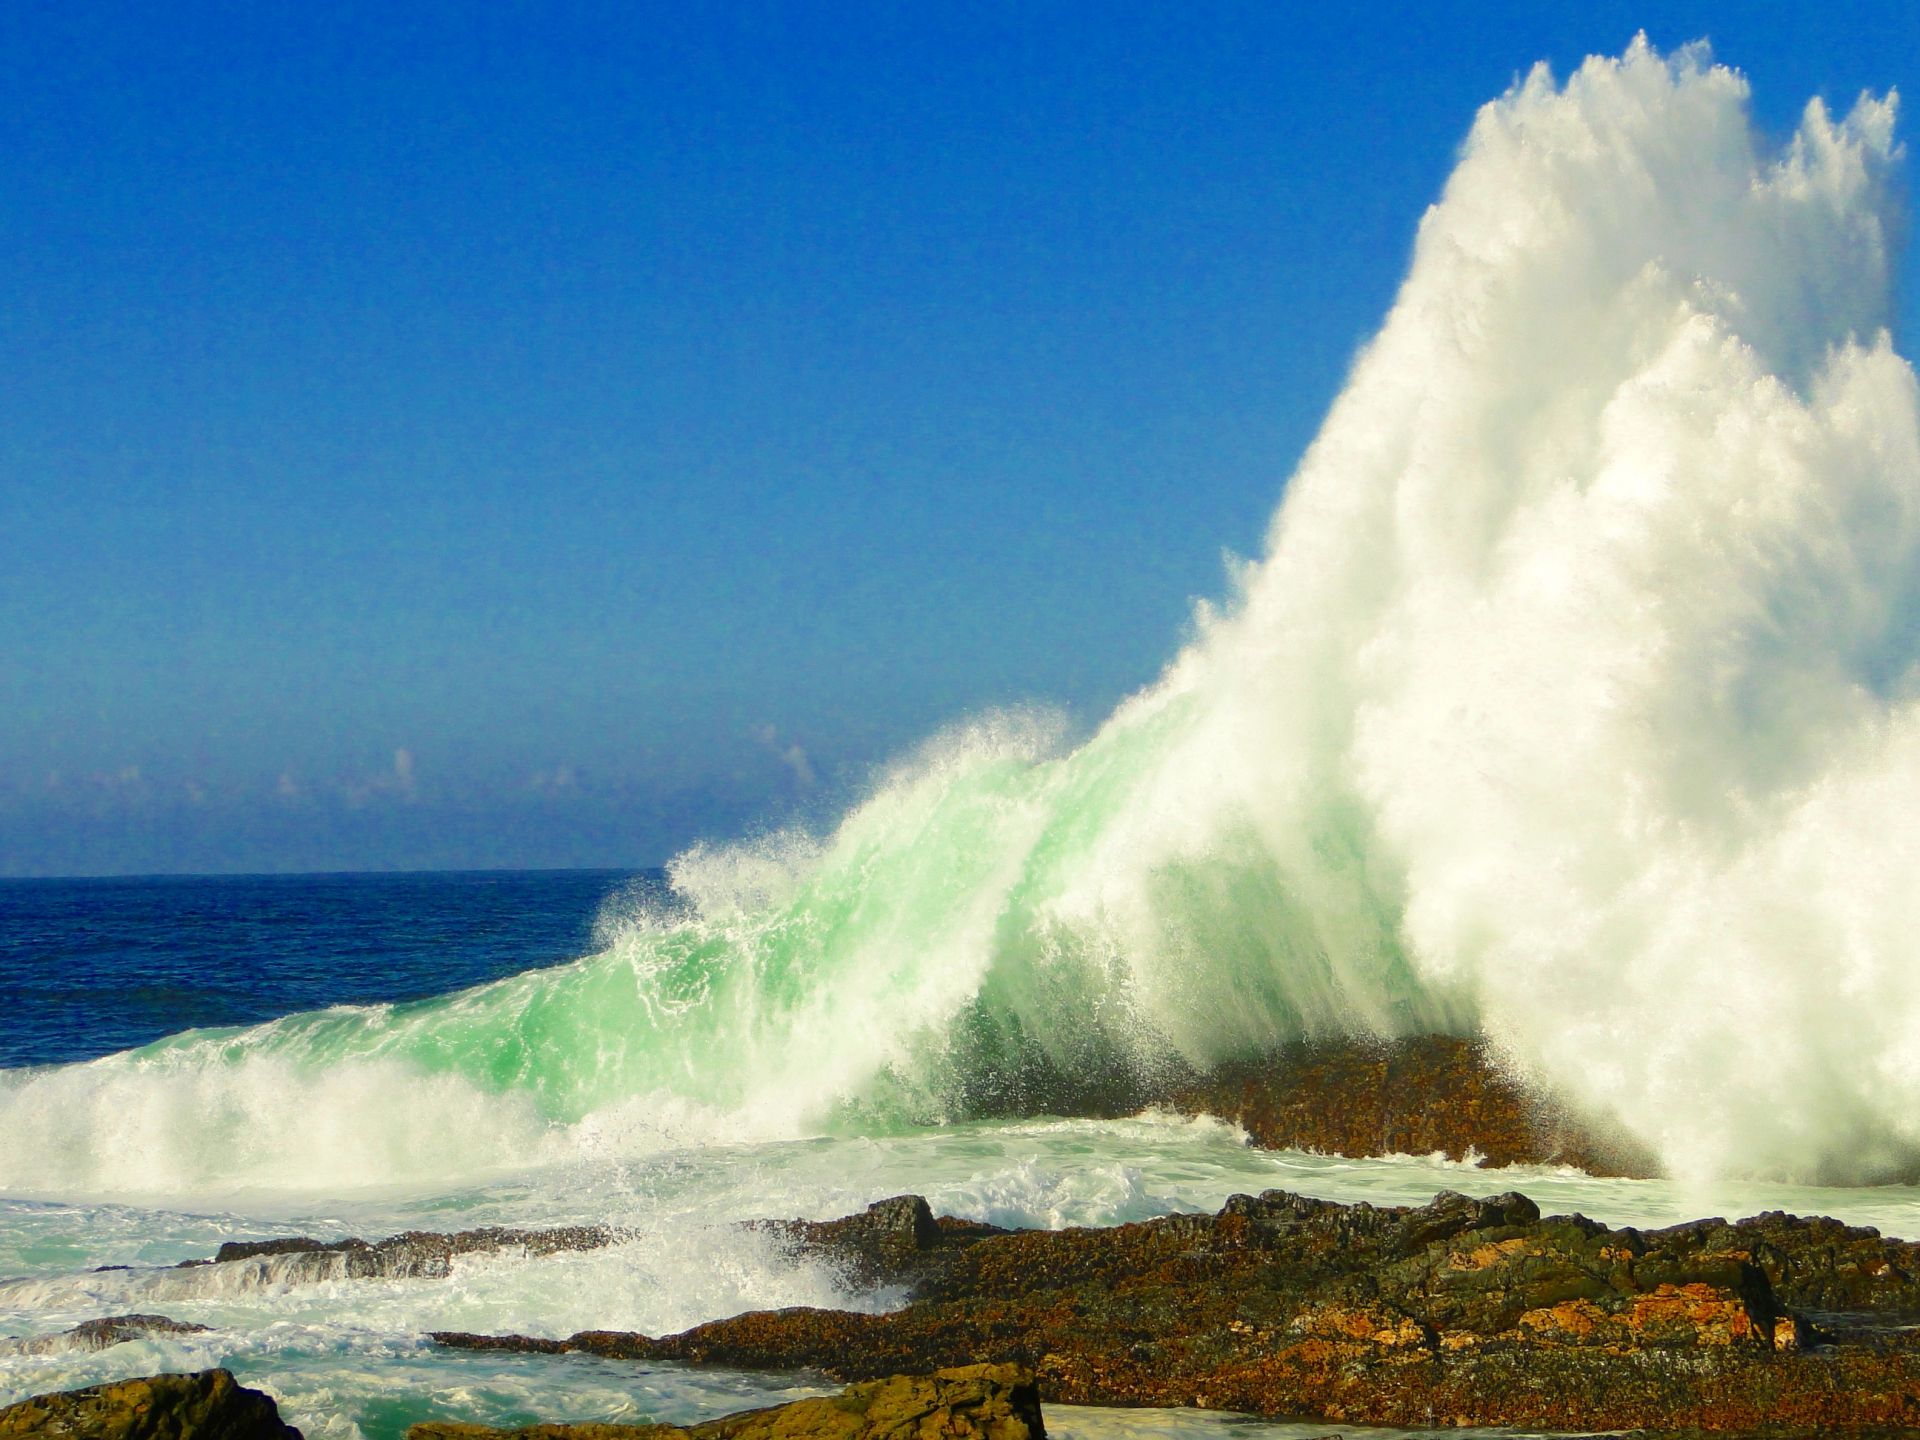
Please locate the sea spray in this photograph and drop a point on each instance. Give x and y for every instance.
(1573, 702)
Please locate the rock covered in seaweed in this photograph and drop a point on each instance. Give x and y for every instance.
(208, 1405)
(974, 1402)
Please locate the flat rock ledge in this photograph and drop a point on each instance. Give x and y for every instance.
(413, 1254)
(971, 1402)
(209, 1405)
(1460, 1312)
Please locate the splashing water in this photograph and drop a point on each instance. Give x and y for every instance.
(1574, 702)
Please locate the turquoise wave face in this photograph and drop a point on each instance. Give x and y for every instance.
(947, 950)
(935, 927)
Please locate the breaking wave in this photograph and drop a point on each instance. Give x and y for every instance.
(1574, 703)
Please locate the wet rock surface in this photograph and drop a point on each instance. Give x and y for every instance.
(897, 1241)
(1841, 1272)
(975, 1402)
(209, 1405)
(1463, 1311)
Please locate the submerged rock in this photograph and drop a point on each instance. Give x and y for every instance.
(210, 1405)
(414, 1254)
(1471, 1311)
(99, 1334)
(974, 1402)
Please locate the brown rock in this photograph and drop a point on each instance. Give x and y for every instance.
(210, 1405)
(1414, 1096)
(973, 1402)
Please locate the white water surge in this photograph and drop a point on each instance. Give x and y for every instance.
(348, 1359)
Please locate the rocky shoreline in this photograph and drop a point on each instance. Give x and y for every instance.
(1460, 1312)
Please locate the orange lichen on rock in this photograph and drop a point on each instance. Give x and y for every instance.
(1694, 1314)
(1485, 1257)
(1341, 1322)
(1571, 1321)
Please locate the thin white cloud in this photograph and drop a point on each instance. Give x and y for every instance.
(793, 755)
(399, 782)
(560, 780)
(795, 759)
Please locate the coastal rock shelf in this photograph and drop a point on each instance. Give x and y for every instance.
(1463, 1311)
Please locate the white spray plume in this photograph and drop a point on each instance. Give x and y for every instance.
(1595, 603)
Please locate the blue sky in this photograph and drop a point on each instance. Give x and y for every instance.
(452, 435)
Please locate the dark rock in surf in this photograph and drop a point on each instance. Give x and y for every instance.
(210, 1405)
(1846, 1273)
(892, 1242)
(99, 1334)
(284, 1245)
(514, 1344)
(974, 1402)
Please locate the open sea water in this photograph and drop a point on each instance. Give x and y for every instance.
(91, 966)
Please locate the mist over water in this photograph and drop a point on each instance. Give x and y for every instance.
(1574, 702)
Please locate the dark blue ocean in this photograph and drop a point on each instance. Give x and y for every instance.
(88, 967)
